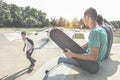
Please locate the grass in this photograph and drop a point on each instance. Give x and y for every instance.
(117, 32)
(21, 29)
(27, 29)
(116, 40)
(79, 36)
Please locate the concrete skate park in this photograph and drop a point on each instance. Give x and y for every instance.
(14, 63)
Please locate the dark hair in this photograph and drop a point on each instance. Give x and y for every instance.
(91, 12)
(99, 19)
(105, 21)
(23, 33)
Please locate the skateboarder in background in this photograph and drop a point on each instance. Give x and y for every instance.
(97, 46)
(29, 45)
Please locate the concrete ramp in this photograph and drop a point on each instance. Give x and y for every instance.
(56, 72)
(109, 70)
(41, 43)
(39, 75)
(12, 36)
(59, 72)
(51, 44)
(3, 38)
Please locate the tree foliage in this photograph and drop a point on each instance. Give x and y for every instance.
(13, 16)
(116, 24)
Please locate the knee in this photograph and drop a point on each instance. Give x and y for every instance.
(94, 70)
(60, 60)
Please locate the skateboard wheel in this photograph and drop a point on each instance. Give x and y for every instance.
(46, 71)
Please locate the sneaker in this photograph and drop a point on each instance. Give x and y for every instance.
(30, 69)
(32, 65)
(34, 60)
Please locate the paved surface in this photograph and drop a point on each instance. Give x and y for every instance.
(109, 70)
(2, 38)
(13, 62)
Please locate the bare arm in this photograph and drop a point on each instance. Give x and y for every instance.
(24, 47)
(93, 56)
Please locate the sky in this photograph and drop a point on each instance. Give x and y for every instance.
(109, 9)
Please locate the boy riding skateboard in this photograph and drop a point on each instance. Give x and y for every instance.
(29, 45)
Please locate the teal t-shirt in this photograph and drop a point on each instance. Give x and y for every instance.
(98, 38)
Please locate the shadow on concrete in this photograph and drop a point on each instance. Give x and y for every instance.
(107, 69)
(3, 77)
(16, 75)
(42, 43)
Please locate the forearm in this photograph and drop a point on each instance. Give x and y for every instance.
(85, 56)
(92, 56)
(24, 46)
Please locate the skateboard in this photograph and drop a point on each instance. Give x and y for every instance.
(63, 41)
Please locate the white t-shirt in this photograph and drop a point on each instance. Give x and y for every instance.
(28, 45)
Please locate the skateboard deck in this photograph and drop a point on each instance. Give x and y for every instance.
(63, 41)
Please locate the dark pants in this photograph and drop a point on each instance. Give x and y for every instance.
(28, 55)
(89, 66)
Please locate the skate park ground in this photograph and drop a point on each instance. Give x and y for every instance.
(13, 62)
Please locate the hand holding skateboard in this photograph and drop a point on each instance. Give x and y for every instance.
(68, 52)
(23, 49)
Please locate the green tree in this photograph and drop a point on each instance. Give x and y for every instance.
(13, 15)
(75, 23)
(5, 16)
(47, 23)
(53, 22)
(62, 22)
(16, 15)
(116, 24)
